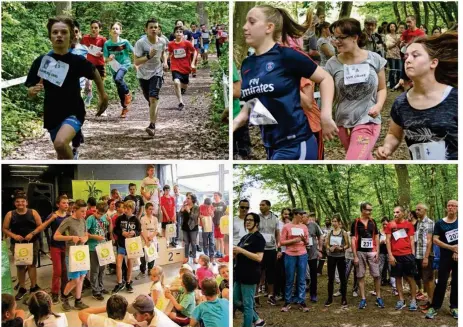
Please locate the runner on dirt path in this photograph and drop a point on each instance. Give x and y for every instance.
(96, 41)
(187, 35)
(401, 250)
(205, 41)
(117, 53)
(62, 121)
(427, 115)
(276, 85)
(196, 43)
(365, 243)
(360, 83)
(446, 237)
(179, 52)
(150, 57)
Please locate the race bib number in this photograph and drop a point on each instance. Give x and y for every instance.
(428, 151)
(366, 243)
(195, 41)
(259, 114)
(295, 231)
(179, 53)
(310, 241)
(452, 235)
(401, 233)
(267, 237)
(52, 70)
(205, 35)
(94, 50)
(114, 65)
(354, 74)
(336, 240)
(382, 238)
(224, 35)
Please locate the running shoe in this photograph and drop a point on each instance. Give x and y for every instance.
(127, 99)
(65, 304)
(363, 304)
(337, 294)
(140, 276)
(271, 300)
(313, 299)
(344, 303)
(328, 303)
(21, 292)
(278, 298)
(118, 288)
(75, 153)
(454, 313)
(412, 306)
(395, 292)
(79, 305)
(373, 293)
(104, 291)
(181, 106)
(355, 294)
(286, 308)
(182, 91)
(104, 114)
(98, 297)
(379, 303)
(129, 287)
(432, 313)
(34, 289)
(260, 323)
(304, 307)
(400, 305)
(55, 298)
(124, 113)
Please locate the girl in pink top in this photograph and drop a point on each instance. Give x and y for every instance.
(295, 237)
(204, 271)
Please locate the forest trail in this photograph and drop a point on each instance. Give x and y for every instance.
(179, 134)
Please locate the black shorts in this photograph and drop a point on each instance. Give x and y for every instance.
(101, 69)
(405, 266)
(151, 87)
(163, 224)
(269, 265)
(184, 78)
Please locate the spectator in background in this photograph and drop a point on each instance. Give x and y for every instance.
(374, 42)
(393, 54)
(436, 31)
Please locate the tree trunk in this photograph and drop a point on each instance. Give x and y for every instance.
(387, 190)
(346, 9)
(288, 186)
(396, 11)
(240, 48)
(63, 8)
(416, 11)
(378, 195)
(448, 13)
(432, 199)
(403, 181)
(439, 11)
(445, 185)
(334, 186)
(426, 16)
(320, 8)
(202, 13)
(404, 6)
(454, 7)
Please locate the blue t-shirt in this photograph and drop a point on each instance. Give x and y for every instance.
(196, 36)
(274, 78)
(54, 226)
(212, 313)
(96, 227)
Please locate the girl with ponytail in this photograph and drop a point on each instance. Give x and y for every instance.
(41, 315)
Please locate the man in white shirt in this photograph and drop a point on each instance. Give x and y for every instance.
(179, 199)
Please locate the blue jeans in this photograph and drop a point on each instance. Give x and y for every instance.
(295, 265)
(122, 88)
(208, 244)
(306, 150)
(243, 300)
(395, 67)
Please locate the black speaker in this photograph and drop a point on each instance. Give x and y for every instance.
(40, 196)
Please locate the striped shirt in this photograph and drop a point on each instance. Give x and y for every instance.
(424, 228)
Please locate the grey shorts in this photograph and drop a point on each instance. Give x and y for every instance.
(367, 258)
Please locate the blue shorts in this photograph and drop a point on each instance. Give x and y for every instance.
(306, 150)
(121, 250)
(205, 47)
(75, 274)
(71, 121)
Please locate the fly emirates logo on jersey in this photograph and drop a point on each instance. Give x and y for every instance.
(256, 87)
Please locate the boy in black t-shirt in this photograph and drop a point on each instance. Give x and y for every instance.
(139, 203)
(59, 73)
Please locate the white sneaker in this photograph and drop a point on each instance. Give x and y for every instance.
(337, 294)
(355, 294)
(373, 293)
(104, 114)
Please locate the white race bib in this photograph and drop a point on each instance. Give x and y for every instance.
(336, 240)
(401, 233)
(382, 238)
(259, 114)
(310, 241)
(452, 235)
(205, 35)
(295, 231)
(267, 237)
(93, 49)
(195, 41)
(179, 53)
(428, 151)
(115, 65)
(224, 34)
(366, 243)
(52, 70)
(354, 74)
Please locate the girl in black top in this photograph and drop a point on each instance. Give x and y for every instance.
(190, 217)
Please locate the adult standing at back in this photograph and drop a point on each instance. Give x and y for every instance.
(365, 243)
(269, 229)
(324, 46)
(360, 84)
(179, 200)
(411, 32)
(394, 61)
(190, 215)
(139, 204)
(220, 207)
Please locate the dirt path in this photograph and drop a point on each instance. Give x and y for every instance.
(335, 316)
(179, 134)
(333, 149)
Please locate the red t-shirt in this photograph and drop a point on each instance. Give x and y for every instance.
(168, 203)
(180, 56)
(205, 210)
(89, 213)
(400, 237)
(222, 35)
(409, 35)
(98, 41)
(113, 221)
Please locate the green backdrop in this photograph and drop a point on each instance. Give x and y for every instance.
(83, 189)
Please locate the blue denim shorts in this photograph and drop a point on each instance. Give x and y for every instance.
(121, 250)
(75, 274)
(71, 121)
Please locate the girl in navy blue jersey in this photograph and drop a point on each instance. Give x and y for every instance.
(271, 78)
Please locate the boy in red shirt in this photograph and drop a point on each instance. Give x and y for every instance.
(168, 210)
(401, 249)
(180, 53)
(94, 42)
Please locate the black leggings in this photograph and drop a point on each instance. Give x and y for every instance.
(313, 277)
(340, 264)
(280, 276)
(445, 266)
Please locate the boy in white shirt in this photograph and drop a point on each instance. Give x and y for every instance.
(149, 232)
(116, 308)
